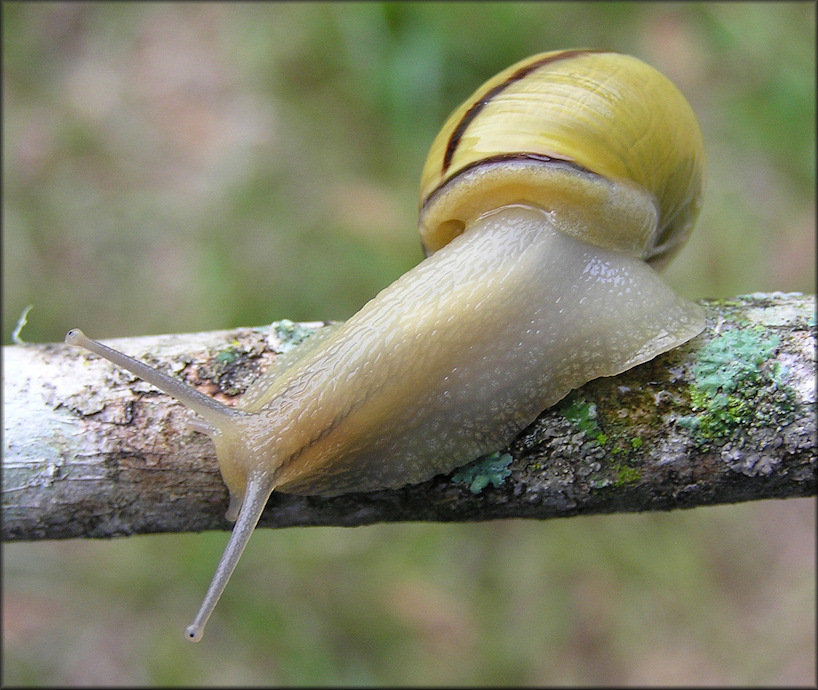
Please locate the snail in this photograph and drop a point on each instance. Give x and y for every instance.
(548, 202)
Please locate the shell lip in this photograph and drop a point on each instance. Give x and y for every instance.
(521, 156)
(615, 214)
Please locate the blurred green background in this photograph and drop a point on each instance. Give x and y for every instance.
(184, 167)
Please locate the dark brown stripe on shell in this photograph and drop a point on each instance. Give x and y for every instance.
(502, 158)
(482, 102)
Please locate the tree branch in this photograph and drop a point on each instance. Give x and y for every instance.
(90, 451)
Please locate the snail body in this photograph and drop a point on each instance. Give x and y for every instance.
(540, 276)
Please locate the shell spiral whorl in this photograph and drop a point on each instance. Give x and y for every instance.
(569, 131)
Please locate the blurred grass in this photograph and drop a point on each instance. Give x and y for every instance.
(183, 167)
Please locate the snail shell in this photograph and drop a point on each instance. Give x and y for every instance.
(601, 139)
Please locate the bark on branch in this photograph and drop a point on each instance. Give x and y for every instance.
(90, 451)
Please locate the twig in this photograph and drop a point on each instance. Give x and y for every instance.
(91, 451)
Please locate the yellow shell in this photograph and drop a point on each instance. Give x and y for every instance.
(602, 140)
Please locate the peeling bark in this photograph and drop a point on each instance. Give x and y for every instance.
(91, 451)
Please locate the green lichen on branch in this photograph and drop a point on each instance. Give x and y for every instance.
(583, 413)
(738, 384)
(489, 469)
(291, 334)
(227, 356)
(626, 475)
(618, 446)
